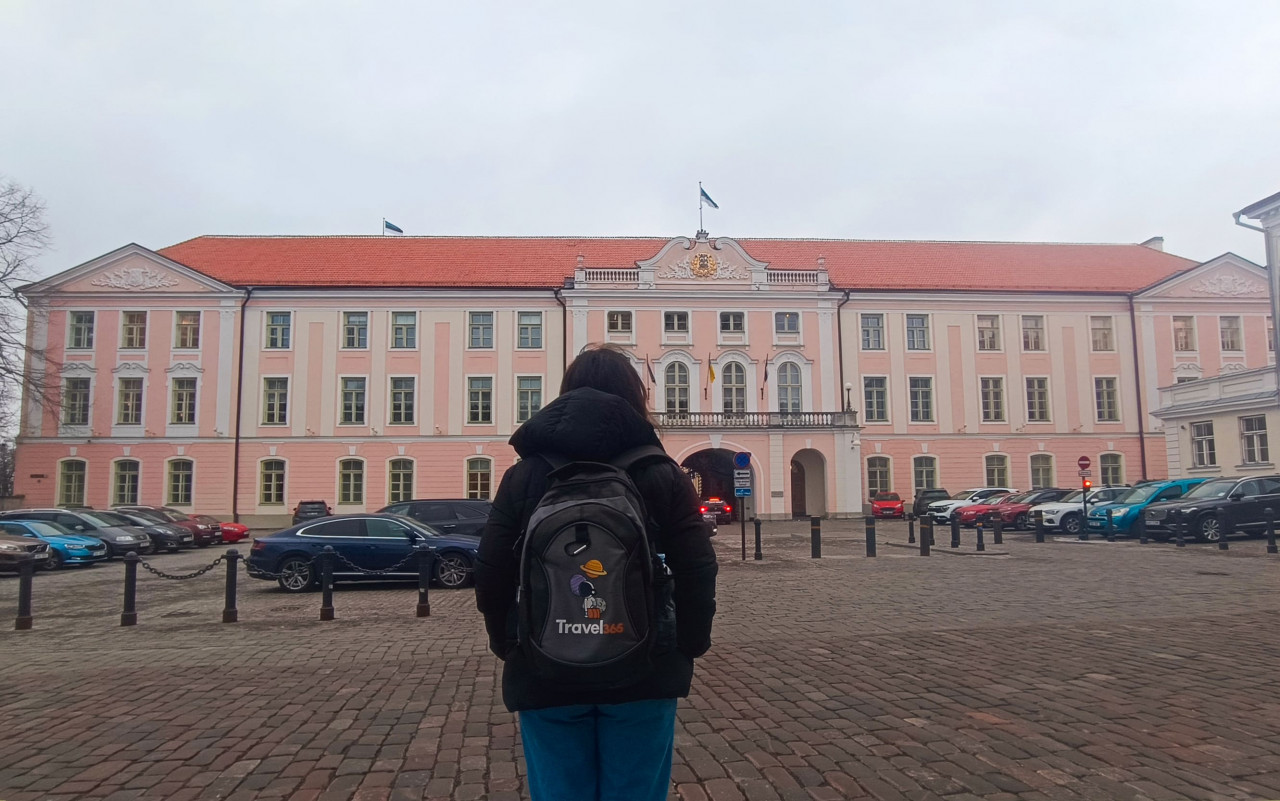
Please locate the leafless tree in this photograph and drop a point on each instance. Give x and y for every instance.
(23, 234)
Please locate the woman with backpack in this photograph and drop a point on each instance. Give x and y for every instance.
(594, 659)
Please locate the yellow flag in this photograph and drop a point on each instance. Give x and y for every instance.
(711, 371)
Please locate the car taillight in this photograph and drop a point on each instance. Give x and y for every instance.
(702, 509)
(727, 509)
(258, 545)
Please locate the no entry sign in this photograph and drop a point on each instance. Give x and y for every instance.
(1084, 462)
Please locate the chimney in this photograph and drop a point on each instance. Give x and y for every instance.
(1155, 243)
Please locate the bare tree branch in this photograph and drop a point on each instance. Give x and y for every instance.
(23, 234)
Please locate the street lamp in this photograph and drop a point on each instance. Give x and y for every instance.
(848, 405)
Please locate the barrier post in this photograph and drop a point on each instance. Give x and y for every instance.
(982, 545)
(1039, 525)
(1111, 525)
(129, 616)
(815, 537)
(955, 530)
(424, 578)
(326, 583)
(871, 536)
(229, 612)
(26, 571)
(1179, 522)
(1141, 525)
(926, 535)
(997, 528)
(1270, 515)
(1224, 529)
(755, 521)
(911, 529)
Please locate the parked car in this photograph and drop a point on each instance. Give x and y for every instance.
(370, 541)
(164, 536)
(1127, 508)
(203, 535)
(64, 546)
(118, 533)
(15, 548)
(968, 515)
(231, 532)
(718, 508)
(1239, 500)
(310, 510)
(924, 497)
(448, 516)
(1015, 509)
(941, 511)
(1067, 513)
(888, 504)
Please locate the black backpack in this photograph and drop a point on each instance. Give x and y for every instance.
(592, 588)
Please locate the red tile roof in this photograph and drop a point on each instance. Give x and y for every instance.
(492, 262)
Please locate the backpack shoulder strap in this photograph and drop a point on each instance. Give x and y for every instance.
(630, 458)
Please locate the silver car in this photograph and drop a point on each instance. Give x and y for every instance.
(119, 533)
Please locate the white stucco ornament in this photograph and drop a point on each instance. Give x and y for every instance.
(134, 279)
(1232, 286)
(702, 265)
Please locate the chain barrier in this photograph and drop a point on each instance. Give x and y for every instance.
(184, 577)
(259, 571)
(369, 571)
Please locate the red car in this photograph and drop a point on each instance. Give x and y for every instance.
(968, 515)
(231, 532)
(887, 504)
(1015, 510)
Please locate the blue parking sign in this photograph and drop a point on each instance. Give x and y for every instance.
(742, 492)
(742, 460)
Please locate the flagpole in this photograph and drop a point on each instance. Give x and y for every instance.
(699, 205)
(383, 232)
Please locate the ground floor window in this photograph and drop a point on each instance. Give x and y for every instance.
(126, 483)
(1203, 452)
(997, 465)
(1041, 471)
(71, 481)
(925, 469)
(272, 480)
(1253, 439)
(878, 475)
(479, 478)
(351, 481)
(1112, 469)
(181, 480)
(400, 485)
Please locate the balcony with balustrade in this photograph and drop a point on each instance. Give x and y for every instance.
(757, 420)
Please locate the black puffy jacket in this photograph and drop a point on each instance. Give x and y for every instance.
(590, 425)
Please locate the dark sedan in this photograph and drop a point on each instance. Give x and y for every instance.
(446, 516)
(369, 542)
(164, 536)
(202, 533)
(119, 533)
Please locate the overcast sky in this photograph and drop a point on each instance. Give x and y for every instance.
(152, 122)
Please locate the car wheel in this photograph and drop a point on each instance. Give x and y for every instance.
(453, 571)
(1071, 524)
(1020, 522)
(54, 562)
(1208, 529)
(296, 574)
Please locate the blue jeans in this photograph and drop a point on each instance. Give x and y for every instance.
(600, 752)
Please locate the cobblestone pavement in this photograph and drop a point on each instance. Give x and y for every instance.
(1061, 670)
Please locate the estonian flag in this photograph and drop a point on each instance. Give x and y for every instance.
(703, 197)
(389, 226)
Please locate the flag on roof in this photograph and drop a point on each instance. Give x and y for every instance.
(703, 197)
(390, 226)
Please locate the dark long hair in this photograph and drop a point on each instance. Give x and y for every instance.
(608, 369)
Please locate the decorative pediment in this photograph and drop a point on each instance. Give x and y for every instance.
(133, 270)
(184, 368)
(701, 260)
(132, 369)
(134, 279)
(1227, 277)
(1231, 286)
(77, 369)
(1187, 370)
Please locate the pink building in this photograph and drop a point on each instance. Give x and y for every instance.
(240, 375)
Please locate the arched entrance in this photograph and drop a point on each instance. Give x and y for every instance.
(712, 472)
(808, 484)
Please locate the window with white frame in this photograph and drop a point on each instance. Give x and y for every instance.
(921, 399)
(275, 401)
(399, 480)
(872, 331)
(182, 473)
(924, 471)
(676, 388)
(790, 390)
(279, 328)
(125, 483)
(186, 334)
(129, 402)
(480, 330)
(133, 334)
(1253, 439)
(917, 332)
(878, 479)
(1042, 476)
(1106, 400)
(81, 334)
(988, 332)
(353, 401)
(1037, 400)
(271, 482)
(675, 322)
(479, 478)
(875, 399)
(1102, 337)
(1111, 469)
(1231, 335)
(529, 330)
(997, 469)
(355, 330)
(1203, 453)
(351, 481)
(1184, 334)
(732, 322)
(403, 395)
(71, 482)
(786, 322)
(480, 400)
(733, 386)
(404, 330)
(992, 390)
(618, 322)
(75, 402)
(1033, 332)
(183, 411)
(528, 396)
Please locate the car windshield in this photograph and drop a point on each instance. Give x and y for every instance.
(1015, 498)
(1138, 494)
(1211, 489)
(149, 515)
(417, 525)
(49, 529)
(1072, 498)
(108, 518)
(963, 495)
(171, 514)
(888, 496)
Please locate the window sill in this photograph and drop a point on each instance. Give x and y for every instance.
(1256, 466)
(1206, 469)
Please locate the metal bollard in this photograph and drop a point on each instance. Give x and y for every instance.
(1084, 525)
(871, 536)
(1179, 522)
(1141, 525)
(1039, 525)
(926, 535)
(997, 528)
(1224, 530)
(1111, 525)
(229, 612)
(129, 617)
(426, 556)
(815, 537)
(1270, 515)
(911, 529)
(955, 530)
(326, 583)
(982, 545)
(755, 521)
(26, 570)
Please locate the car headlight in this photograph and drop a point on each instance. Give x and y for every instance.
(1120, 511)
(8, 546)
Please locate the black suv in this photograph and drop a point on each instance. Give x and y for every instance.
(1239, 501)
(310, 510)
(446, 516)
(924, 497)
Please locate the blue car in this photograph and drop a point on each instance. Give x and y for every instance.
(1127, 508)
(65, 546)
(367, 541)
